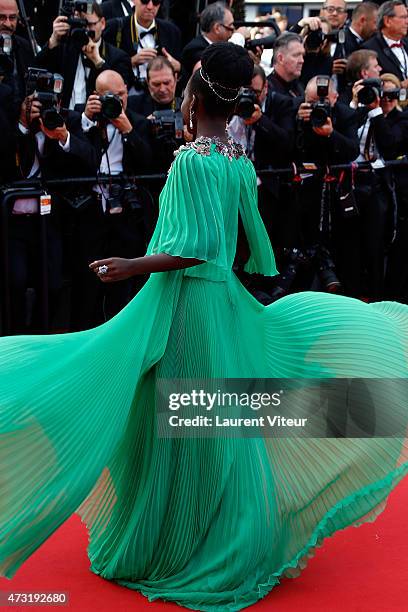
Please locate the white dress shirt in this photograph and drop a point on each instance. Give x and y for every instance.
(79, 89)
(112, 159)
(363, 132)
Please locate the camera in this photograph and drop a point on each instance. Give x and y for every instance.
(372, 89)
(395, 94)
(315, 38)
(267, 42)
(79, 34)
(321, 110)
(123, 196)
(168, 124)
(246, 103)
(6, 61)
(111, 106)
(47, 88)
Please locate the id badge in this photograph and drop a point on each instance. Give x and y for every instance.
(45, 204)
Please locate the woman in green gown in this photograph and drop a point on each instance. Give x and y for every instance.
(211, 524)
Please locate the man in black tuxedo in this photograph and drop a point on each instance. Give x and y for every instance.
(143, 36)
(80, 66)
(268, 138)
(112, 223)
(383, 135)
(49, 153)
(20, 55)
(333, 142)
(389, 42)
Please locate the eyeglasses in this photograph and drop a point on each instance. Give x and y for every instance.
(335, 9)
(91, 24)
(229, 28)
(155, 2)
(4, 18)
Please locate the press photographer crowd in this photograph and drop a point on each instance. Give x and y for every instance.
(90, 97)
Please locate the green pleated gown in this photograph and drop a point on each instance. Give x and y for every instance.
(208, 523)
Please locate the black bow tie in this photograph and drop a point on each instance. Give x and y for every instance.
(152, 31)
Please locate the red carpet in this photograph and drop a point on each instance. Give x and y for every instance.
(361, 569)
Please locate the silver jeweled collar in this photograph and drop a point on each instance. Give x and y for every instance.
(230, 149)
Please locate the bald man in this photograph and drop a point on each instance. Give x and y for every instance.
(21, 55)
(114, 222)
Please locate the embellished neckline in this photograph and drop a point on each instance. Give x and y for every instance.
(202, 145)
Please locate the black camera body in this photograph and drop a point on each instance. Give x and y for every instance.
(47, 88)
(6, 61)
(266, 42)
(79, 34)
(167, 125)
(111, 107)
(123, 196)
(372, 89)
(321, 110)
(245, 106)
(316, 38)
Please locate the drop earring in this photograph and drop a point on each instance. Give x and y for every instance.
(191, 124)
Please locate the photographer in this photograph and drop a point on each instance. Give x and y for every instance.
(326, 134)
(48, 146)
(79, 53)
(15, 52)
(317, 51)
(264, 125)
(362, 64)
(161, 107)
(396, 277)
(143, 36)
(112, 218)
(382, 137)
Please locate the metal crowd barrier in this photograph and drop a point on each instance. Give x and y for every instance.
(35, 188)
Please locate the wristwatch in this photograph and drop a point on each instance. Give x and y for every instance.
(100, 64)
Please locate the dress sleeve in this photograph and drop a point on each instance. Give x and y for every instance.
(262, 259)
(190, 222)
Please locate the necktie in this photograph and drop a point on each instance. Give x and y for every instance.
(152, 31)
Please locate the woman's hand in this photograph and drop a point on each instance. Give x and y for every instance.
(117, 269)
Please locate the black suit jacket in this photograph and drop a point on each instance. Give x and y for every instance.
(23, 58)
(168, 36)
(64, 60)
(192, 53)
(293, 89)
(81, 160)
(137, 152)
(390, 132)
(341, 147)
(386, 58)
(7, 131)
(274, 137)
(114, 8)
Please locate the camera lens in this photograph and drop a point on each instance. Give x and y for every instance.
(111, 106)
(52, 119)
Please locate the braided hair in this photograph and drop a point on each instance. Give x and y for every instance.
(225, 68)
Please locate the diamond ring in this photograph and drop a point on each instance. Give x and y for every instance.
(103, 269)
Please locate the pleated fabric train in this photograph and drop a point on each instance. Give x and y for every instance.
(211, 524)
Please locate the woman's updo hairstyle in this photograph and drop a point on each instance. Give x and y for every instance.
(225, 68)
